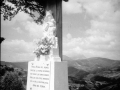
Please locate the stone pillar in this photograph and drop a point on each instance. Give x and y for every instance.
(56, 7)
(45, 75)
(53, 73)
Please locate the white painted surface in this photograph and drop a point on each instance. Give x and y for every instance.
(49, 75)
(38, 75)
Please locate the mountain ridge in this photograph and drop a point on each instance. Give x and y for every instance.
(94, 73)
(87, 64)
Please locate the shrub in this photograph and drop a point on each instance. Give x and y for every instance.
(11, 81)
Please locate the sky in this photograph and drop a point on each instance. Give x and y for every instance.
(90, 28)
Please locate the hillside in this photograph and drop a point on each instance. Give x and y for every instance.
(94, 74)
(95, 63)
(89, 64)
(23, 65)
(87, 74)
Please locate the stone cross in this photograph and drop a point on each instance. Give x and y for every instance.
(50, 75)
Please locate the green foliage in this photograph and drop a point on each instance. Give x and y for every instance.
(12, 78)
(4, 68)
(11, 81)
(107, 79)
(1, 39)
(27, 6)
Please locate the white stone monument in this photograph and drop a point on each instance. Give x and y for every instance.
(47, 72)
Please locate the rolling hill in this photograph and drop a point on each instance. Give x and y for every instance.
(89, 64)
(23, 65)
(87, 74)
(94, 74)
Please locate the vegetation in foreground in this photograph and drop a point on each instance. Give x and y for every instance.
(12, 78)
(85, 76)
(100, 80)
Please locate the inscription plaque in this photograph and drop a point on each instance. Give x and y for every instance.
(39, 76)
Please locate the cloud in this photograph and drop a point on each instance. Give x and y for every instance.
(17, 50)
(20, 17)
(69, 36)
(102, 9)
(72, 6)
(22, 22)
(95, 7)
(21, 27)
(34, 30)
(18, 29)
(92, 7)
(105, 10)
(103, 37)
(91, 46)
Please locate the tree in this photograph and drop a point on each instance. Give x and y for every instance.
(9, 8)
(40, 6)
(11, 81)
(1, 39)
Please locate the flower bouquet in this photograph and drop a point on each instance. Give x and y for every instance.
(44, 46)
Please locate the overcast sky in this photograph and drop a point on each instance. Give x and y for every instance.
(90, 28)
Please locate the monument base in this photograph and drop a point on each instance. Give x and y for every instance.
(47, 75)
(59, 76)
